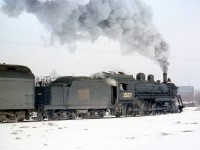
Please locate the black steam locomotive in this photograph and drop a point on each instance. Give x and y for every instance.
(70, 97)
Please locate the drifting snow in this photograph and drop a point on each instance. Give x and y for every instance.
(172, 131)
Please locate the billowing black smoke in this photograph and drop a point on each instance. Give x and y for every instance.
(127, 21)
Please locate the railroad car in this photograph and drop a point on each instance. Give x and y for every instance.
(17, 98)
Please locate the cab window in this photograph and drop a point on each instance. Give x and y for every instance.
(123, 87)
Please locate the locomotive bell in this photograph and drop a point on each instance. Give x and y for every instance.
(164, 77)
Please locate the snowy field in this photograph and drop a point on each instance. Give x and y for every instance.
(162, 132)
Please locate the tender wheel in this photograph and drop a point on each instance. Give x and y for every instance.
(91, 115)
(2, 118)
(101, 114)
(70, 115)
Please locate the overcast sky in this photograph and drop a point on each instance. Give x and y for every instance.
(25, 41)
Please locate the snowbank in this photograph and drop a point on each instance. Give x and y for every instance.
(171, 131)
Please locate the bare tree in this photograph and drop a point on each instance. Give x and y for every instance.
(197, 97)
(53, 74)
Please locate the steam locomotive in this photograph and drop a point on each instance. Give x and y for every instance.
(70, 97)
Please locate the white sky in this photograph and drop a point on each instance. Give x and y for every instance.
(25, 41)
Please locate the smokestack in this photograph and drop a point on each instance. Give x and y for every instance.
(164, 77)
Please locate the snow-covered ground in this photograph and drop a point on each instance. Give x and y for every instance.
(162, 132)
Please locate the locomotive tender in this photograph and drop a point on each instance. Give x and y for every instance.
(70, 97)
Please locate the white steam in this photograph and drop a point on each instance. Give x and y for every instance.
(127, 21)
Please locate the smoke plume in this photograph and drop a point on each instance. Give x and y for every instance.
(127, 21)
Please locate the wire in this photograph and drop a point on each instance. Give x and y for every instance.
(25, 43)
(3, 40)
(52, 46)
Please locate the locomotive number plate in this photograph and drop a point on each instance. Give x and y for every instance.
(127, 95)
